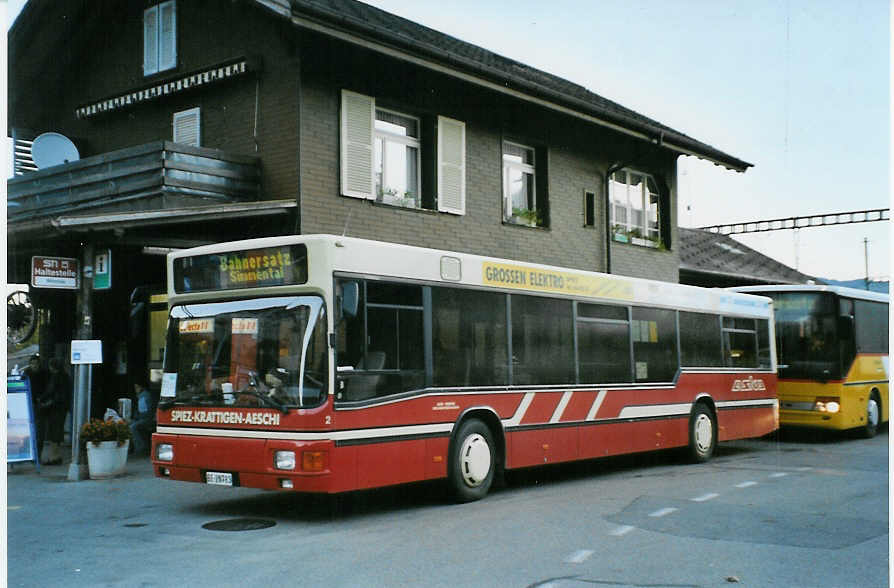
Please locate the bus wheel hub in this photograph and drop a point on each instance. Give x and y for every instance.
(474, 459)
(703, 432)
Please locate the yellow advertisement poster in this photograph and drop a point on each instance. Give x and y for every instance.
(525, 278)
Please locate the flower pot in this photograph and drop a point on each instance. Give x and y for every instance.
(106, 459)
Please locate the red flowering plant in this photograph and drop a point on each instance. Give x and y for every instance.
(97, 430)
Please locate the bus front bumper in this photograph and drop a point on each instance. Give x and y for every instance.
(808, 412)
(270, 464)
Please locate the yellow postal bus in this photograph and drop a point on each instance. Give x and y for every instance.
(832, 352)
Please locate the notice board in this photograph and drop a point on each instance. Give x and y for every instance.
(21, 441)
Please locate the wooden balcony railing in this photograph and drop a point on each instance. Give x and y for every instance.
(155, 175)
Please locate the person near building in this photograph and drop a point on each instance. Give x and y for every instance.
(37, 379)
(143, 424)
(55, 404)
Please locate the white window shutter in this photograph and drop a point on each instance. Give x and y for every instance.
(187, 127)
(167, 38)
(451, 165)
(357, 120)
(150, 41)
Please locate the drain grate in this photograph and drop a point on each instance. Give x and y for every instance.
(239, 525)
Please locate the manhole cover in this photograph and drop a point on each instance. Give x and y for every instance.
(239, 525)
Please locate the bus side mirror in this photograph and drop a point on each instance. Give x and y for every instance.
(350, 297)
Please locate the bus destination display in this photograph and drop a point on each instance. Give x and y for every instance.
(256, 268)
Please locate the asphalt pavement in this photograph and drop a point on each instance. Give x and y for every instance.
(800, 511)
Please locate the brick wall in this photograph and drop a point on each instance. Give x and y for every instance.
(579, 155)
(208, 33)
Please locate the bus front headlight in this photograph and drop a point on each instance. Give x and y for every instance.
(829, 405)
(284, 460)
(164, 452)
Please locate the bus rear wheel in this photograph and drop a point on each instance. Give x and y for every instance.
(872, 417)
(702, 434)
(473, 461)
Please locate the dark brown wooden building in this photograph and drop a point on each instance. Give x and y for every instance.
(206, 121)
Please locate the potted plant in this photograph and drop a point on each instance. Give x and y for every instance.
(526, 217)
(107, 443)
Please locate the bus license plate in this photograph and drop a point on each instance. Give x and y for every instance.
(219, 478)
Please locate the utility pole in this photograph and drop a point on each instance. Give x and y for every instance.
(866, 257)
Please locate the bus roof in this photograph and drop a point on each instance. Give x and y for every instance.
(364, 257)
(839, 290)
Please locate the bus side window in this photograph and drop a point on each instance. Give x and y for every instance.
(654, 344)
(700, 340)
(763, 344)
(740, 342)
(349, 328)
(469, 338)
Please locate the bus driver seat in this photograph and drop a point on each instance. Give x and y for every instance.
(364, 387)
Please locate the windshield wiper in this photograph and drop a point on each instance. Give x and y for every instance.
(268, 400)
(193, 400)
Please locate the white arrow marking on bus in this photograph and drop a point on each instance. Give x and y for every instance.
(522, 409)
(596, 404)
(557, 414)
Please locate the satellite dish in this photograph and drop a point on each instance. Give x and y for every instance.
(51, 149)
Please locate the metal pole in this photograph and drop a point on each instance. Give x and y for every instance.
(866, 257)
(77, 470)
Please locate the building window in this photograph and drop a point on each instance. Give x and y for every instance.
(187, 127)
(384, 159)
(520, 186)
(635, 204)
(396, 160)
(160, 38)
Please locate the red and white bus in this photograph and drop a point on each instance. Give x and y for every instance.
(328, 364)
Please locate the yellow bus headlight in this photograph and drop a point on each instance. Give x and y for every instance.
(830, 405)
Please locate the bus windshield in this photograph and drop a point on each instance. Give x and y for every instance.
(807, 342)
(263, 352)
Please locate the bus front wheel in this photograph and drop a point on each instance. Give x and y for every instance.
(872, 417)
(472, 462)
(702, 434)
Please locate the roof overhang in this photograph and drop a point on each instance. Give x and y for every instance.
(734, 276)
(149, 218)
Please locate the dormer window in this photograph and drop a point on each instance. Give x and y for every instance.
(636, 209)
(160, 38)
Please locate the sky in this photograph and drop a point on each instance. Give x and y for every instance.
(799, 88)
